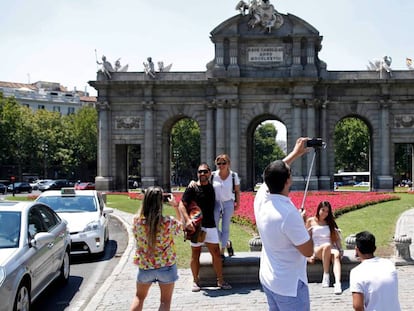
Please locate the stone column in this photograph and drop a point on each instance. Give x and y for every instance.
(103, 181)
(385, 180)
(233, 69)
(210, 156)
(234, 134)
(310, 67)
(296, 132)
(219, 54)
(311, 132)
(220, 128)
(324, 178)
(385, 139)
(296, 68)
(147, 153)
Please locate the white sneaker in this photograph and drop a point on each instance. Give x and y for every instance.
(325, 280)
(337, 288)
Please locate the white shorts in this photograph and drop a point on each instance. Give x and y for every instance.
(211, 237)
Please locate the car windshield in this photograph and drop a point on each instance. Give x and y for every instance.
(9, 229)
(70, 204)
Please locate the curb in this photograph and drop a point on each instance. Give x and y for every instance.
(97, 298)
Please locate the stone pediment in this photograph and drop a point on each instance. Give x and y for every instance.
(288, 50)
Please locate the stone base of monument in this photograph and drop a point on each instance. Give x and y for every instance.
(243, 268)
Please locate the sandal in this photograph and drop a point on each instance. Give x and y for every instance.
(224, 285)
(196, 287)
(230, 248)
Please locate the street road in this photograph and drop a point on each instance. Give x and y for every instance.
(86, 276)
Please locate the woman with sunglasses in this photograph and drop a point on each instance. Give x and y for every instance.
(226, 184)
(327, 243)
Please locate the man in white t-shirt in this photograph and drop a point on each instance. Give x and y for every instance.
(285, 241)
(374, 282)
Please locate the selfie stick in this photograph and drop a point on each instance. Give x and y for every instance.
(307, 182)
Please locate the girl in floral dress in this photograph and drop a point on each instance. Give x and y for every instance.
(155, 253)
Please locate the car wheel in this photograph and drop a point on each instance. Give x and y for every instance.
(22, 300)
(65, 269)
(30, 191)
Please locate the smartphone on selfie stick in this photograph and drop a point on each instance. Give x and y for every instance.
(316, 144)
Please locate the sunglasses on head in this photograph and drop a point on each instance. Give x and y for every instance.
(203, 171)
(221, 163)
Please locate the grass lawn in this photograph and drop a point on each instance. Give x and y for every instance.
(380, 219)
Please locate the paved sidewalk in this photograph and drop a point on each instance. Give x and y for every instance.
(118, 290)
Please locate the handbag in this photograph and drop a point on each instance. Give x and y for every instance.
(196, 216)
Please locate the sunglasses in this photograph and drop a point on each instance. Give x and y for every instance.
(221, 163)
(203, 171)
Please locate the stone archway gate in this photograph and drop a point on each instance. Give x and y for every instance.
(256, 74)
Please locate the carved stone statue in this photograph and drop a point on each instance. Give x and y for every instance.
(107, 68)
(149, 68)
(162, 68)
(261, 13)
(409, 63)
(383, 64)
(118, 66)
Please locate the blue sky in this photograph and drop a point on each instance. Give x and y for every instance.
(55, 40)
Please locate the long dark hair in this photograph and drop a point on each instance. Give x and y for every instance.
(151, 211)
(329, 219)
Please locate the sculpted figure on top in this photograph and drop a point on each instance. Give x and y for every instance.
(261, 13)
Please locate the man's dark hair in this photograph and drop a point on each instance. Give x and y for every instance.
(365, 241)
(276, 175)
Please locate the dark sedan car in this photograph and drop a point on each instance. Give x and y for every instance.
(3, 188)
(20, 187)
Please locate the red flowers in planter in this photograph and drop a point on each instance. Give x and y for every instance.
(341, 202)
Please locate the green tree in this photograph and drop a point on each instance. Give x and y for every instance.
(352, 138)
(266, 149)
(82, 138)
(185, 145)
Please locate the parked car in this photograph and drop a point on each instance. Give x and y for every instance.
(85, 186)
(34, 251)
(87, 217)
(3, 188)
(55, 185)
(35, 184)
(20, 186)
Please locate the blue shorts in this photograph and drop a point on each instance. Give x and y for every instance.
(164, 275)
(286, 303)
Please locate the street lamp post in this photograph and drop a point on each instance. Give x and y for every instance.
(44, 149)
(176, 154)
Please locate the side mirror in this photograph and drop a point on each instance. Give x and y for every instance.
(41, 239)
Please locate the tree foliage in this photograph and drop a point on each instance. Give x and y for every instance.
(46, 143)
(185, 146)
(266, 149)
(351, 144)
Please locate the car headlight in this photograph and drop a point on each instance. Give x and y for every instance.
(92, 226)
(2, 275)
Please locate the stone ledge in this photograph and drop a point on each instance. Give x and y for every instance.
(244, 268)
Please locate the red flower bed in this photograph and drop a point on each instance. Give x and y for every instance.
(341, 202)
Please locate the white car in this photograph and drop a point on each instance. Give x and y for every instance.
(86, 214)
(34, 251)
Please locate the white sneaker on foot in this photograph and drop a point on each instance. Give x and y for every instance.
(325, 280)
(338, 288)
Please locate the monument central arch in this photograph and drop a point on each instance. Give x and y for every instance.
(261, 67)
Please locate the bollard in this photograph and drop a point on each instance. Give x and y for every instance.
(402, 247)
(255, 244)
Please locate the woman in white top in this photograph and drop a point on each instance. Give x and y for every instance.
(327, 243)
(226, 185)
